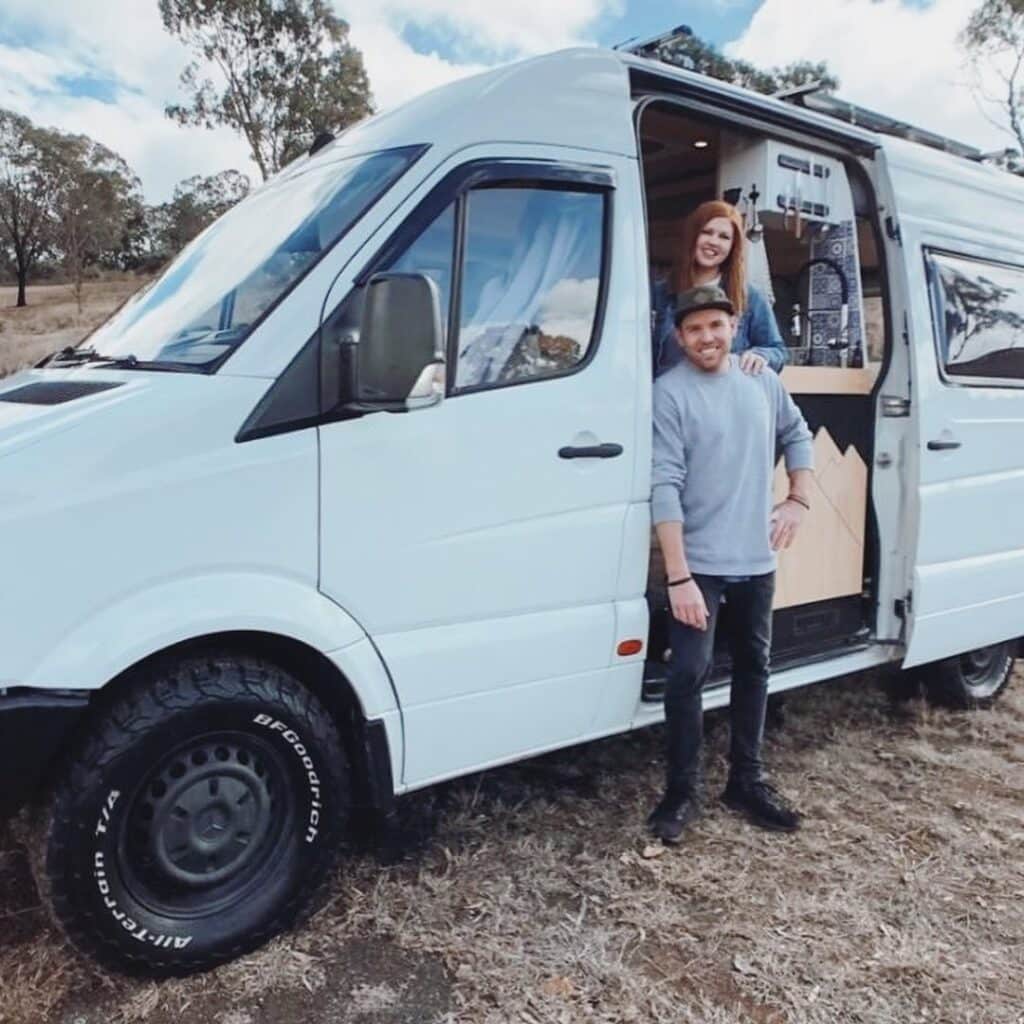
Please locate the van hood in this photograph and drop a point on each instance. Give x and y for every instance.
(38, 403)
(60, 425)
(109, 410)
(109, 492)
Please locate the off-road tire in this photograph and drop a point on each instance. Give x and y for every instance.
(198, 816)
(971, 680)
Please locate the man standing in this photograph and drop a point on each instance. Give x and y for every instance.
(715, 434)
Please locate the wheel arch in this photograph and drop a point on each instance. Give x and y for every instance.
(368, 740)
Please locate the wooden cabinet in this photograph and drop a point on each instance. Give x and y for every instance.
(827, 559)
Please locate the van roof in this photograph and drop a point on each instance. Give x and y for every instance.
(578, 97)
(654, 77)
(582, 98)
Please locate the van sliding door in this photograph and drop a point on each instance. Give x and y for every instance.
(967, 313)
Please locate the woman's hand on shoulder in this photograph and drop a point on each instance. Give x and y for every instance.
(753, 363)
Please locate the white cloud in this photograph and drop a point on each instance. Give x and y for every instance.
(25, 71)
(890, 56)
(899, 59)
(160, 152)
(123, 36)
(118, 41)
(124, 41)
(568, 309)
(396, 71)
(526, 27)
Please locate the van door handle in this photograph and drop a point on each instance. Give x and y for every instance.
(590, 451)
(942, 446)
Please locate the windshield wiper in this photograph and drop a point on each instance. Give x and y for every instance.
(77, 356)
(85, 356)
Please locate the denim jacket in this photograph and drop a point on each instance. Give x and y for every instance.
(756, 331)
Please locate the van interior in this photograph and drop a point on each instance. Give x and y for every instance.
(813, 249)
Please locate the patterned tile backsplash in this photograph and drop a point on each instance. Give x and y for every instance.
(838, 243)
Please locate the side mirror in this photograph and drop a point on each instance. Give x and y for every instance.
(400, 355)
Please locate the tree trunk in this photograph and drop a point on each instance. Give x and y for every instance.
(22, 283)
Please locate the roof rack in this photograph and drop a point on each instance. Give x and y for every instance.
(666, 47)
(811, 97)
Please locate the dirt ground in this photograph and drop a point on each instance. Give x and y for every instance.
(530, 894)
(51, 319)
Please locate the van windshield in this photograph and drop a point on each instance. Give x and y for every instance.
(217, 290)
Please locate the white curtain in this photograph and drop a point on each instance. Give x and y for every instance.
(550, 252)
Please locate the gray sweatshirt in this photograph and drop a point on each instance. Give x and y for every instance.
(715, 437)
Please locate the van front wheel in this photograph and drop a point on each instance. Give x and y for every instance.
(197, 819)
(970, 680)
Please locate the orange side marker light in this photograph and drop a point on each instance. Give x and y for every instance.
(628, 647)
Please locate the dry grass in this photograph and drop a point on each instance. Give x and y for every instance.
(901, 901)
(51, 320)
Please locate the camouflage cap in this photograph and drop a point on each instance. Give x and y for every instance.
(705, 296)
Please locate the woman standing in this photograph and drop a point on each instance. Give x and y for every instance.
(713, 251)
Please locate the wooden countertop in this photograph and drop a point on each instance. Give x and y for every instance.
(829, 380)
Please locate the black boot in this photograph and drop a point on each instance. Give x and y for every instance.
(675, 811)
(762, 804)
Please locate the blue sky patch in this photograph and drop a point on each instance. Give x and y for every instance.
(95, 86)
(20, 34)
(449, 43)
(716, 22)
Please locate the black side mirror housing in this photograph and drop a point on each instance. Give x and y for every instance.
(399, 358)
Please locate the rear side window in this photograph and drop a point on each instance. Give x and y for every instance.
(531, 279)
(978, 309)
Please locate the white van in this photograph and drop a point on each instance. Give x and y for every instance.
(354, 498)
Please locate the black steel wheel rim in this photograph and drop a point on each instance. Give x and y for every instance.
(208, 826)
(981, 669)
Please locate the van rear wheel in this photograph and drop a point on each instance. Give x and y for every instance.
(970, 680)
(198, 818)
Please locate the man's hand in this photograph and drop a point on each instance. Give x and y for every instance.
(786, 519)
(752, 363)
(688, 605)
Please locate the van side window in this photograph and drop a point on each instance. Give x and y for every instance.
(530, 283)
(978, 310)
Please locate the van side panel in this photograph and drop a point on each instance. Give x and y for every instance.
(138, 523)
(142, 522)
(965, 469)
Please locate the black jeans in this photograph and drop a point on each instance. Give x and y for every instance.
(749, 623)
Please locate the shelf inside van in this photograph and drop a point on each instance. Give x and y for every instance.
(829, 380)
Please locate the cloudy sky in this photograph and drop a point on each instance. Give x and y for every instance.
(107, 68)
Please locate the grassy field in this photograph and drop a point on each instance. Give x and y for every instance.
(530, 894)
(51, 319)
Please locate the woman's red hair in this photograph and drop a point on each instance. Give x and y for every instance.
(734, 269)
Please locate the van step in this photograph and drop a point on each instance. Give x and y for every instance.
(652, 690)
